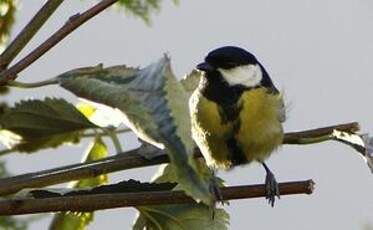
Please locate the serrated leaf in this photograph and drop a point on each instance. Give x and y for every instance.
(7, 15)
(43, 124)
(79, 220)
(361, 143)
(190, 81)
(154, 106)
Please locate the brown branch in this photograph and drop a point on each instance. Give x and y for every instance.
(117, 200)
(73, 23)
(295, 137)
(122, 161)
(28, 32)
(127, 160)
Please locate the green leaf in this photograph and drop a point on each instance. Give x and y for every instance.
(191, 81)
(96, 151)
(7, 13)
(140, 8)
(101, 115)
(155, 107)
(79, 220)
(42, 124)
(181, 217)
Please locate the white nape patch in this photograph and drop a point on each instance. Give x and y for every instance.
(247, 75)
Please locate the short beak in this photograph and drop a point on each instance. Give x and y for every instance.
(204, 66)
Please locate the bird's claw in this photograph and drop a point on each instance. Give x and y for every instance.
(271, 188)
(217, 194)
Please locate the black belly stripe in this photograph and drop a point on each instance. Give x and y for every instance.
(227, 97)
(236, 155)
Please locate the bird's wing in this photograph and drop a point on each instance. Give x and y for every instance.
(210, 131)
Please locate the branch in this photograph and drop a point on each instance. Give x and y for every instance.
(320, 134)
(73, 23)
(86, 203)
(28, 32)
(127, 160)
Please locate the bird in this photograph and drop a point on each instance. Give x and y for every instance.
(237, 113)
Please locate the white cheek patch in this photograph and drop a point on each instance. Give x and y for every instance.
(247, 75)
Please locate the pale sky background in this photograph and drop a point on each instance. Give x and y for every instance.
(319, 52)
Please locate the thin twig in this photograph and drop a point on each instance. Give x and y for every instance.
(127, 160)
(23, 85)
(28, 32)
(86, 203)
(118, 131)
(123, 161)
(73, 23)
(302, 136)
(114, 138)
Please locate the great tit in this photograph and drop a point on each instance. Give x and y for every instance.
(237, 112)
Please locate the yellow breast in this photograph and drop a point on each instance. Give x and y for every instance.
(260, 130)
(257, 130)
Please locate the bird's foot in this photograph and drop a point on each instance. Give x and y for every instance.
(216, 192)
(271, 187)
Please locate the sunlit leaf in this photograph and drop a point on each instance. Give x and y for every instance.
(7, 13)
(42, 124)
(155, 107)
(100, 114)
(79, 220)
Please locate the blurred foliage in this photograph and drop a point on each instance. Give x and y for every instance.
(368, 226)
(4, 90)
(79, 220)
(140, 8)
(7, 13)
(11, 223)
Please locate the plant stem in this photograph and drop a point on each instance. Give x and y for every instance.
(86, 203)
(118, 131)
(114, 138)
(24, 85)
(28, 32)
(73, 23)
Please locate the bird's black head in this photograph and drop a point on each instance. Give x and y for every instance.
(236, 66)
(228, 57)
